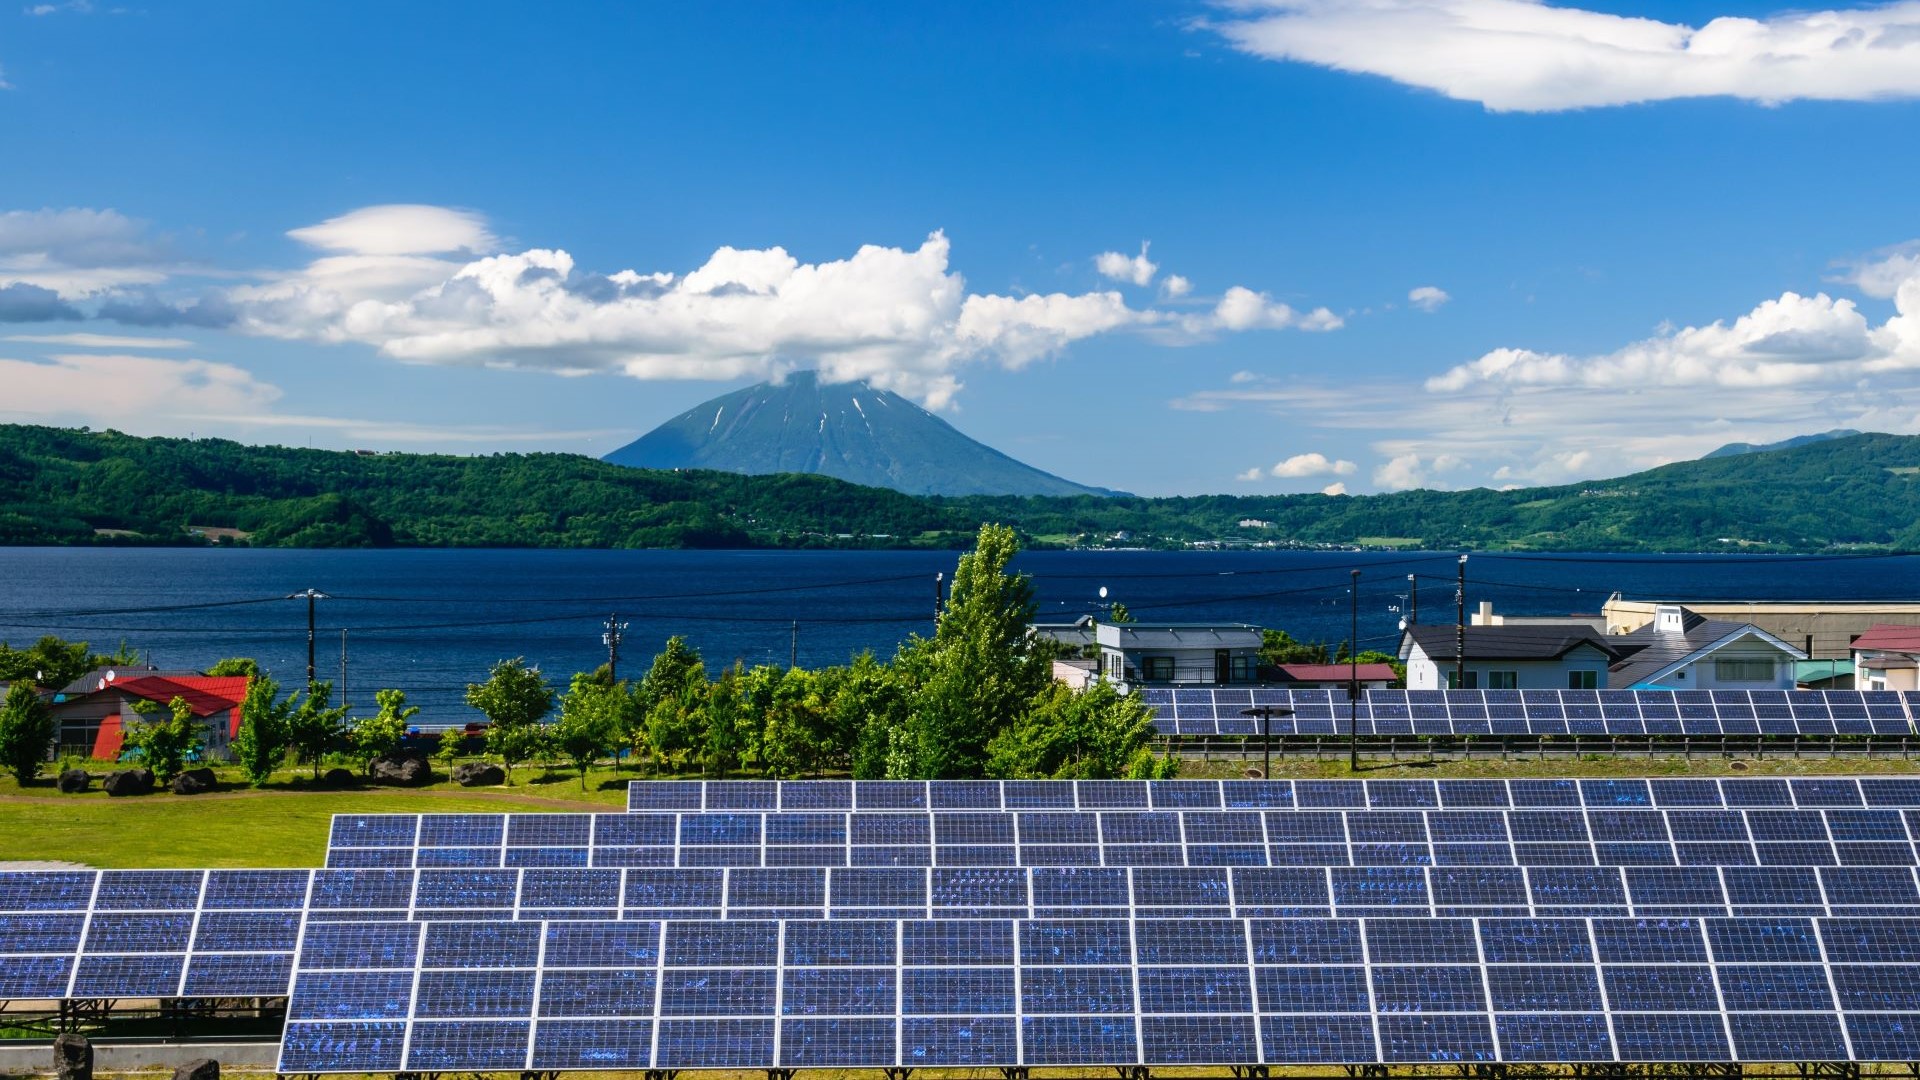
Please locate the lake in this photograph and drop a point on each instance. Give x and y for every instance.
(431, 621)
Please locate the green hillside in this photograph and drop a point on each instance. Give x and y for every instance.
(61, 486)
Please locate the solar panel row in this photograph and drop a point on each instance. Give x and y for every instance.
(865, 795)
(1627, 835)
(1222, 711)
(418, 996)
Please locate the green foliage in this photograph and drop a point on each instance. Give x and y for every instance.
(1091, 734)
(590, 722)
(166, 745)
(27, 729)
(515, 698)
(314, 727)
(236, 665)
(453, 743)
(1279, 647)
(1117, 613)
(266, 728)
(671, 698)
(384, 731)
(54, 662)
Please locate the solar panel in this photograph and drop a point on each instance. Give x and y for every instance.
(1214, 991)
(1212, 711)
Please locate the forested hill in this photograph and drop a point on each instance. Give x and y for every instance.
(61, 486)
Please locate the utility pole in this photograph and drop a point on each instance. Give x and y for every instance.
(1353, 678)
(343, 665)
(615, 629)
(793, 650)
(1460, 628)
(1413, 600)
(309, 595)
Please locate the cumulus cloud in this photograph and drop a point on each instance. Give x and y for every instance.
(1335, 488)
(1173, 286)
(211, 311)
(1528, 56)
(414, 283)
(1136, 269)
(1255, 473)
(1313, 464)
(1411, 470)
(78, 252)
(1428, 298)
(23, 303)
(138, 393)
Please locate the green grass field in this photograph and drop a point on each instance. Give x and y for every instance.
(286, 824)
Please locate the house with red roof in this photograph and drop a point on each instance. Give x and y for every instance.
(1887, 658)
(93, 713)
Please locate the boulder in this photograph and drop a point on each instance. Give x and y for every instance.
(407, 769)
(479, 774)
(338, 778)
(193, 782)
(128, 782)
(198, 1069)
(74, 781)
(72, 1057)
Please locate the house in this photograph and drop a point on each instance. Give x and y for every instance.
(1824, 628)
(1684, 650)
(1887, 658)
(1179, 654)
(1520, 657)
(1334, 676)
(94, 711)
(1075, 638)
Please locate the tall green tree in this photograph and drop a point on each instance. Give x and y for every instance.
(515, 699)
(590, 722)
(236, 665)
(55, 662)
(871, 709)
(315, 727)
(980, 670)
(27, 729)
(1091, 734)
(265, 730)
(721, 744)
(384, 731)
(167, 745)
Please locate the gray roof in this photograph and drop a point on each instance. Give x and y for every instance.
(1183, 635)
(1646, 652)
(1523, 642)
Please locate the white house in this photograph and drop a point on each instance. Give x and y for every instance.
(1887, 658)
(1179, 654)
(1682, 650)
(1522, 657)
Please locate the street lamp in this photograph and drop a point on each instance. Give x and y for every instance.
(1266, 713)
(1353, 677)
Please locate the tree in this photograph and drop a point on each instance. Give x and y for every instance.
(515, 698)
(313, 728)
(589, 723)
(1091, 734)
(979, 670)
(236, 665)
(872, 705)
(27, 729)
(1279, 647)
(720, 738)
(453, 743)
(168, 744)
(383, 732)
(265, 729)
(54, 662)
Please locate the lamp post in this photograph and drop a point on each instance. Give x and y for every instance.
(309, 595)
(1460, 628)
(1266, 713)
(1353, 678)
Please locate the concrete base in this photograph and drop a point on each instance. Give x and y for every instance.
(28, 1058)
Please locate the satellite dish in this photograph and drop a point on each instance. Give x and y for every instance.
(112, 674)
(1103, 592)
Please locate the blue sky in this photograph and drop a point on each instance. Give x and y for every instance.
(1393, 243)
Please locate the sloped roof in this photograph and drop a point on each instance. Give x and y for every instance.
(92, 680)
(1337, 672)
(1522, 642)
(204, 694)
(1181, 635)
(1647, 652)
(1888, 638)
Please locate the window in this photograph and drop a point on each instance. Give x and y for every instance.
(1736, 670)
(1159, 668)
(1242, 666)
(1453, 680)
(1503, 680)
(1583, 680)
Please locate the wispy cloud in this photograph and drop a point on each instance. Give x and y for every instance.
(101, 341)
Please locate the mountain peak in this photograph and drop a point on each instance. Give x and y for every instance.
(850, 431)
(1738, 448)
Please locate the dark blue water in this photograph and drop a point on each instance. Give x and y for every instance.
(430, 622)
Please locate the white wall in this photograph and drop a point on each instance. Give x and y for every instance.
(1700, 674)
(1424, 674)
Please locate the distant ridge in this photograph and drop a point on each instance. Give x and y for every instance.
(849, 431)
(1735, 449)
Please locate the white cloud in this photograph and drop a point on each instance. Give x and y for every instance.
(77, 7)
(1173, 286)
(1313, 464)
(1428, 298)
(1882, 275)
(400, 229)
(77, 252)
(1527, 56)
(101, 341)
(1255, 473)
(1335, 488)
(140, 394)
(900, 318)
(1132, 268)
(1410, 470)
